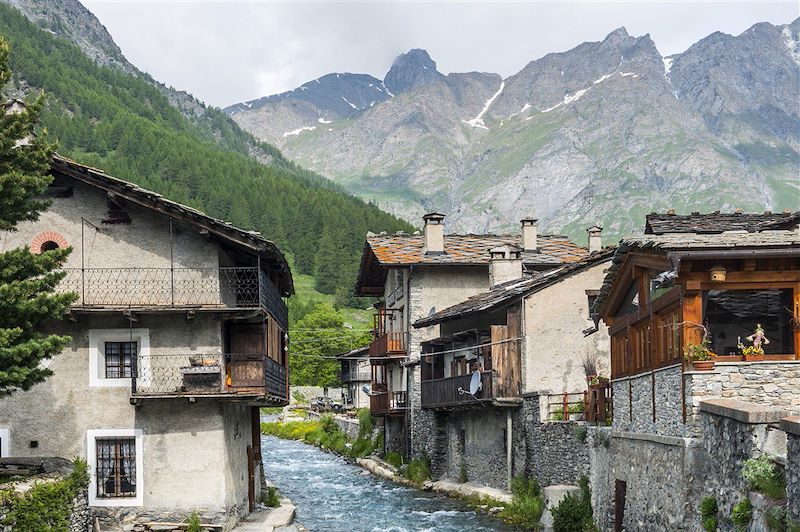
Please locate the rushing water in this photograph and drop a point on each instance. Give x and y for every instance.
(332, 494)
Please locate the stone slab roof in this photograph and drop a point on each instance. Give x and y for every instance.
(507, 292)
(404, 249)
(717, 222)
(227, 232)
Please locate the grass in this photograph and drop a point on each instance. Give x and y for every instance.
(327, 435)
(418, 470)
(765, 476)
(271, 410)
(271, 497)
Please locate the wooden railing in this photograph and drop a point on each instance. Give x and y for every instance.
(383, 403)
(454, 391)
(356, 376)
(388, 344)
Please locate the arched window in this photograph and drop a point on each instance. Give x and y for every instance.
(47, 241)
(49, 245)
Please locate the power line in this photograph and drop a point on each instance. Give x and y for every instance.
(466, 348)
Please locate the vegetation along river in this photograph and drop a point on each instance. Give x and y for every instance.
(333, 494)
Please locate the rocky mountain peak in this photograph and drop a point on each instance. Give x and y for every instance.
(617, 36)
(410, 70)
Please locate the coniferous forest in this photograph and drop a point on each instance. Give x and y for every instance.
(126, 126)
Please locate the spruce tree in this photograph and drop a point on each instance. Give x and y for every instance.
(27, 280)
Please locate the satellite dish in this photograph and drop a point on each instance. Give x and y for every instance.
(366, 389)
(475, 383)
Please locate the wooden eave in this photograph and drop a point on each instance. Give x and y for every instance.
(625, 276)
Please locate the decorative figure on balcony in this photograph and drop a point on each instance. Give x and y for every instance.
(755, 351)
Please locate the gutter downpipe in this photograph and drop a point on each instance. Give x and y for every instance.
(509, 439)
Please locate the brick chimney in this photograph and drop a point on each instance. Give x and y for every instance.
(434, 233)
(505, 264)
(530, 234)
(595, 242)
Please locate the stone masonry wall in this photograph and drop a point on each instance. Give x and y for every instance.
(555, 453)
(634, 407)
(600, 481)
(793, 468)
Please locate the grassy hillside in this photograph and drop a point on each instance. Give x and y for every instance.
(126, 126)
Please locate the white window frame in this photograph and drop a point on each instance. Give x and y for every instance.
(91, 459)
(5, 442)
(97, 353)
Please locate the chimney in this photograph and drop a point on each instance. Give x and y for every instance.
(529, 234)
(505, 264)
(434, 233)
(595, 242)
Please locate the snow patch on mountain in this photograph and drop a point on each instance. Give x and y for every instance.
(299, 130)
(350, 103)
(478, 120)
(323, 121)
(569, 98)
(792, 43)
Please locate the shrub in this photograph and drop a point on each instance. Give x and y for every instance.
(708, 514)
(365, 423)
(777, 518)
(271, 497)
(418, 470)
(580, 432)
(525, 509)
(574, 513)
(47, 505)
(765, 476)
(193, 523)
(576, 408)
(741, 514)
(394, 458)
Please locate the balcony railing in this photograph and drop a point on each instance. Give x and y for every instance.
(388, 403)
(454, 391)
(391, 344)
(356, 376)
(230, 374)
(175, 287)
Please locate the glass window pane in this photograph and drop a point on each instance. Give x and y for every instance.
(732, 315)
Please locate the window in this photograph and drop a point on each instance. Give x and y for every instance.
(48, 246)
(119, 356)
(732, 316)
(116, 467)
(113, 353)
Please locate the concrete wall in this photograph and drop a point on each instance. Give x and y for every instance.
(554, 346)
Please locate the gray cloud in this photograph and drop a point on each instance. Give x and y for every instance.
(227, 52)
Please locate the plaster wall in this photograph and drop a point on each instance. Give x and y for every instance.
(554, 346)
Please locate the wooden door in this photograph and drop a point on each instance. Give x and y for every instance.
(620, 489)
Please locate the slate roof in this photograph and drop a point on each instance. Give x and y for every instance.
(358, 352)
(250, 240)
(404, 249)
(507, 292)
(716, 222)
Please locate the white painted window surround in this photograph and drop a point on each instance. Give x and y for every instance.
(91, 459)
(97, 357)
(5, 442)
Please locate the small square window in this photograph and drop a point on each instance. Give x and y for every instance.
(116, 467)
(119, 358)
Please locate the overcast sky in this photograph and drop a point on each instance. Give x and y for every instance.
(228, 52)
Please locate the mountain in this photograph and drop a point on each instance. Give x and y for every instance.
(107, 114)
(603, 133)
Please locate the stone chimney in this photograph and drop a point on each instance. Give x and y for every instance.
(434, 233)
(530, 234)
(595, 242)
(505, 264)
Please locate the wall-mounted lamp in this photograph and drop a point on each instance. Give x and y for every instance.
(718, 273)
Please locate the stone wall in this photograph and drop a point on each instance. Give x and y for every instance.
(600, 482)
(792, 428)
(395, 435)
(555, 452)
(635, 410)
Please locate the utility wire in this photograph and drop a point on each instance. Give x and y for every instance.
(466, 348)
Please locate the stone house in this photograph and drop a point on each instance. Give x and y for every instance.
(679, 433)
(178, 337)
(504, 366)
(356, 375)
(418, 275)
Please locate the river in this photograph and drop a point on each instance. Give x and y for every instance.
(332, 494)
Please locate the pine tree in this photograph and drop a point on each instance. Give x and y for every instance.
(27, 280)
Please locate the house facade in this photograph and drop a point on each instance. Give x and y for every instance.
(417, 276)
(680, 433)
(356, 375)
(178, 337)
(507, 367)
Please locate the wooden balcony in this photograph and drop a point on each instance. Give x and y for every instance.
(253, 376)
(388, 403)
(389, 345)
(356, 376)
(453, 392)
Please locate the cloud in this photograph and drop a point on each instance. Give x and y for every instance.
(226, 52)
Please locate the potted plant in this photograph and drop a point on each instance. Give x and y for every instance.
(755, 352)
(700, 355)
(598, 380)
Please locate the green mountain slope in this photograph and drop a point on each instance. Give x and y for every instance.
(122, 123)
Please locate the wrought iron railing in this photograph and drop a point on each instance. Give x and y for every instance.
(250, 374)
(175, 287)
(388, 344)
(454, 391)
